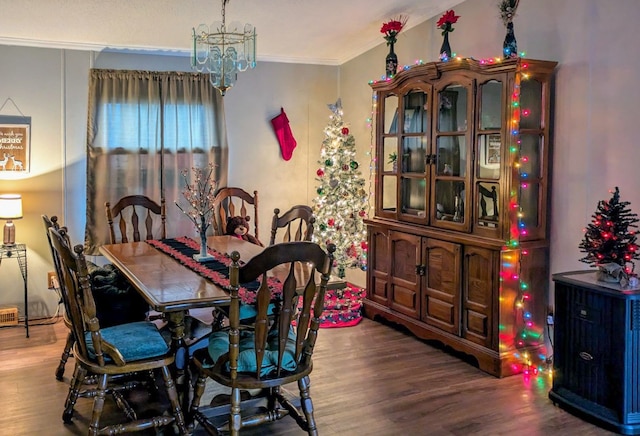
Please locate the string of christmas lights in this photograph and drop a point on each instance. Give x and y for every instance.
(527, 334)
(454, 57)
(372, 143)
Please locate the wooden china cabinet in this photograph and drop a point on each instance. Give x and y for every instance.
(461, 195)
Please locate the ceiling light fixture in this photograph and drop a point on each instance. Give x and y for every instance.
(222, 51)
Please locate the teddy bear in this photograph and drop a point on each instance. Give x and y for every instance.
(239, 227)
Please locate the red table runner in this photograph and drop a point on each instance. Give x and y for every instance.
(217, 270)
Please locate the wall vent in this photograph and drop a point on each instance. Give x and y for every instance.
(8, 316)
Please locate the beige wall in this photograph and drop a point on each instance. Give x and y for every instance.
(51, 85)
(595, 130)
(255, 160)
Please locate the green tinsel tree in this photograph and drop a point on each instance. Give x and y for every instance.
(608, 239)
(342, 201)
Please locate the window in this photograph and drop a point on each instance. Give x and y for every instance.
(144, 128)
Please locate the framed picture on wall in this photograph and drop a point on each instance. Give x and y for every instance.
(15, 144)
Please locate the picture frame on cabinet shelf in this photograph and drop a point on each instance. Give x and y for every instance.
(493, 150)
(490, 146)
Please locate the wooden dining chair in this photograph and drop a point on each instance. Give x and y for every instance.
(66, 352)
(297, 223)
(132, 348)
(128, 211)
(230, 202)
(277, 350)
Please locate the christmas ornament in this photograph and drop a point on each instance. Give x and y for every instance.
(345, 130)
(354, 165)
(333, 183)
(320, 173)
(336, 108)
(328, 162)
(320, 191)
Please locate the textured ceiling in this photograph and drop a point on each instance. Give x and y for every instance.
(302, 31)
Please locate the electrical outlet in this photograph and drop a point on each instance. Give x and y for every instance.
(52, 280)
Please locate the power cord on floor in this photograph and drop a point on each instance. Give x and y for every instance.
(57, 315)
(550, 326)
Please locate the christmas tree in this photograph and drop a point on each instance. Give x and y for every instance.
(342, 202)
(608, 239)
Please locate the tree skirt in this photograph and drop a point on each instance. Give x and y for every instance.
(342, 307)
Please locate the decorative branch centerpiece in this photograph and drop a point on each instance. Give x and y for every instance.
(609, 243)
(199, 196)
(390, 30)
(446, 24)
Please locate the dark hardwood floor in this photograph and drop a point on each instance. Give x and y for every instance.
(370, 379)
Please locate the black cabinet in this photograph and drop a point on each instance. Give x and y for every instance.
(597, 351)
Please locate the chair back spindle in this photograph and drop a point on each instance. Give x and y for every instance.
(230, 202)
(297, 223)
(127, 211)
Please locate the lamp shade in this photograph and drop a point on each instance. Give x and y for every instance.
(10, 206)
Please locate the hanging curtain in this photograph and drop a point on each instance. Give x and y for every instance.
(143, 129)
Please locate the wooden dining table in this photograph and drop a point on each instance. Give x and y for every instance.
(173, 289)
(170, 287)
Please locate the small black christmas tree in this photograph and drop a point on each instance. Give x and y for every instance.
(608, 240)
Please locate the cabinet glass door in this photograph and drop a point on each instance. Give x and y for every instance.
(415, 125)
(387, 162)
(412, 161)
(490, 151)
(532, 170)
(450, 161)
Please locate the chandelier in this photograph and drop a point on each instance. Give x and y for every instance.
(223, 51)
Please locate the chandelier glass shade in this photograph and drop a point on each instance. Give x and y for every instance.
(222, 51)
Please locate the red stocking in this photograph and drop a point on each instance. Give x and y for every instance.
(283, 133)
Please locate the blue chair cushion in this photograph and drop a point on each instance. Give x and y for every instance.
(249, 312)
(219, 345)
(135, 341)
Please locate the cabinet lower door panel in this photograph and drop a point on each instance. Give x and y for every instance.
(442, 291)
(405, 281)
(405, 300)
(378, 292)
(379, 266)
(480, 269)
